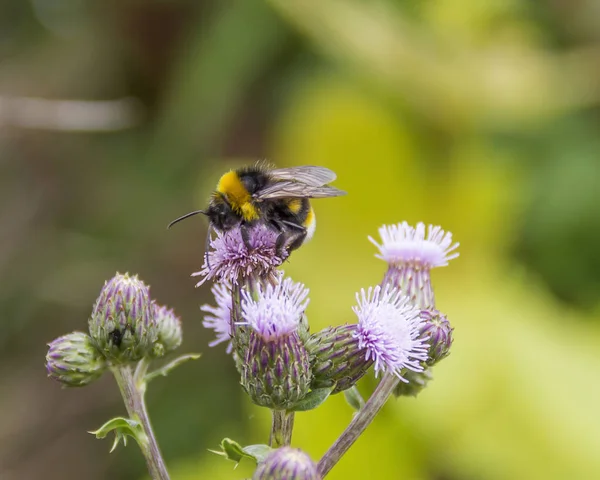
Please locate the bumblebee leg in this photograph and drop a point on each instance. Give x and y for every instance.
(280, 244)
(207, 245)
(298, 239)
(245, 236)
(276, 225)
(290, 239)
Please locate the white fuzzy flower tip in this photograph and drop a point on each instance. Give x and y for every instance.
(388, 329)
(219, 318)
(422, 247)
(230, 258)
(275, 311)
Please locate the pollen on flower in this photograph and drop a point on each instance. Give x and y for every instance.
(230, 259)
(276, 310)
(402, 244)
(388, 329)
(219, 319)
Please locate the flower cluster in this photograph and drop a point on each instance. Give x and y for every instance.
(398, 331)
(260, 315)
(124, 327)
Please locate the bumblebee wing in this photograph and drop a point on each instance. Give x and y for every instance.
(308, 174)
(297, 190)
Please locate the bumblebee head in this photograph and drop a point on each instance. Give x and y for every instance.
(221, 214)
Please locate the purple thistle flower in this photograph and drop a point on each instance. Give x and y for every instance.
(388, 329)
(277, 310)
(219, 319)
(229, 259)
(286, 463)
(272, 359)
(402, 244)
(410, 254)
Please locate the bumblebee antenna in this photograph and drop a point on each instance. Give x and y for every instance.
(183, 217)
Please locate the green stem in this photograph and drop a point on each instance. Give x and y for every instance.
(359, 424)
(133, 396)
(281, 428)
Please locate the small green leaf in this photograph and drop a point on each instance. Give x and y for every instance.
(354, 398)
(258, 452)
(166, 369)
(313, 399)
(122, 427)
(232, 450)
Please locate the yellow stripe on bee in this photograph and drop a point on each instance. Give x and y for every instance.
(232, 187)
(310, 224)
(310, 218)
(295, 205)
(249, 211)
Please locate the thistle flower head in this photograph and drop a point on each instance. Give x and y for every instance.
(437, 333)
(274, 363)
(388, 329)
(170, 333)
(219, 318)
(122, 324)
(410, 254)
(231, 259)
(73, 360)
(286, 463)
(402, 244)
(277, 310)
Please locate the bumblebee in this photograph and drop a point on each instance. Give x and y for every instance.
(279, 198)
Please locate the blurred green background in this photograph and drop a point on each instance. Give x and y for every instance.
(478, 115)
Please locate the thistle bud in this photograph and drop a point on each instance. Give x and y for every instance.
(336, 359)
(415, 383)
(437, 333)
(287, 463)
(122, 324)
(275, 371)
(73, 360)
(170, 333)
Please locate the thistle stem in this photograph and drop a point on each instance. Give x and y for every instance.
(281, 428)
(133, 396)
(358, 425)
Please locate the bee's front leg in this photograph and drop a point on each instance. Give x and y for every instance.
(244, 230)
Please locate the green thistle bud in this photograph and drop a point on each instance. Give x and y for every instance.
(275, 373)
(170, 333)
(336, 358)
(122, 324)
(287, 463)
(437, 333)
(73, 360)
(415, 383)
